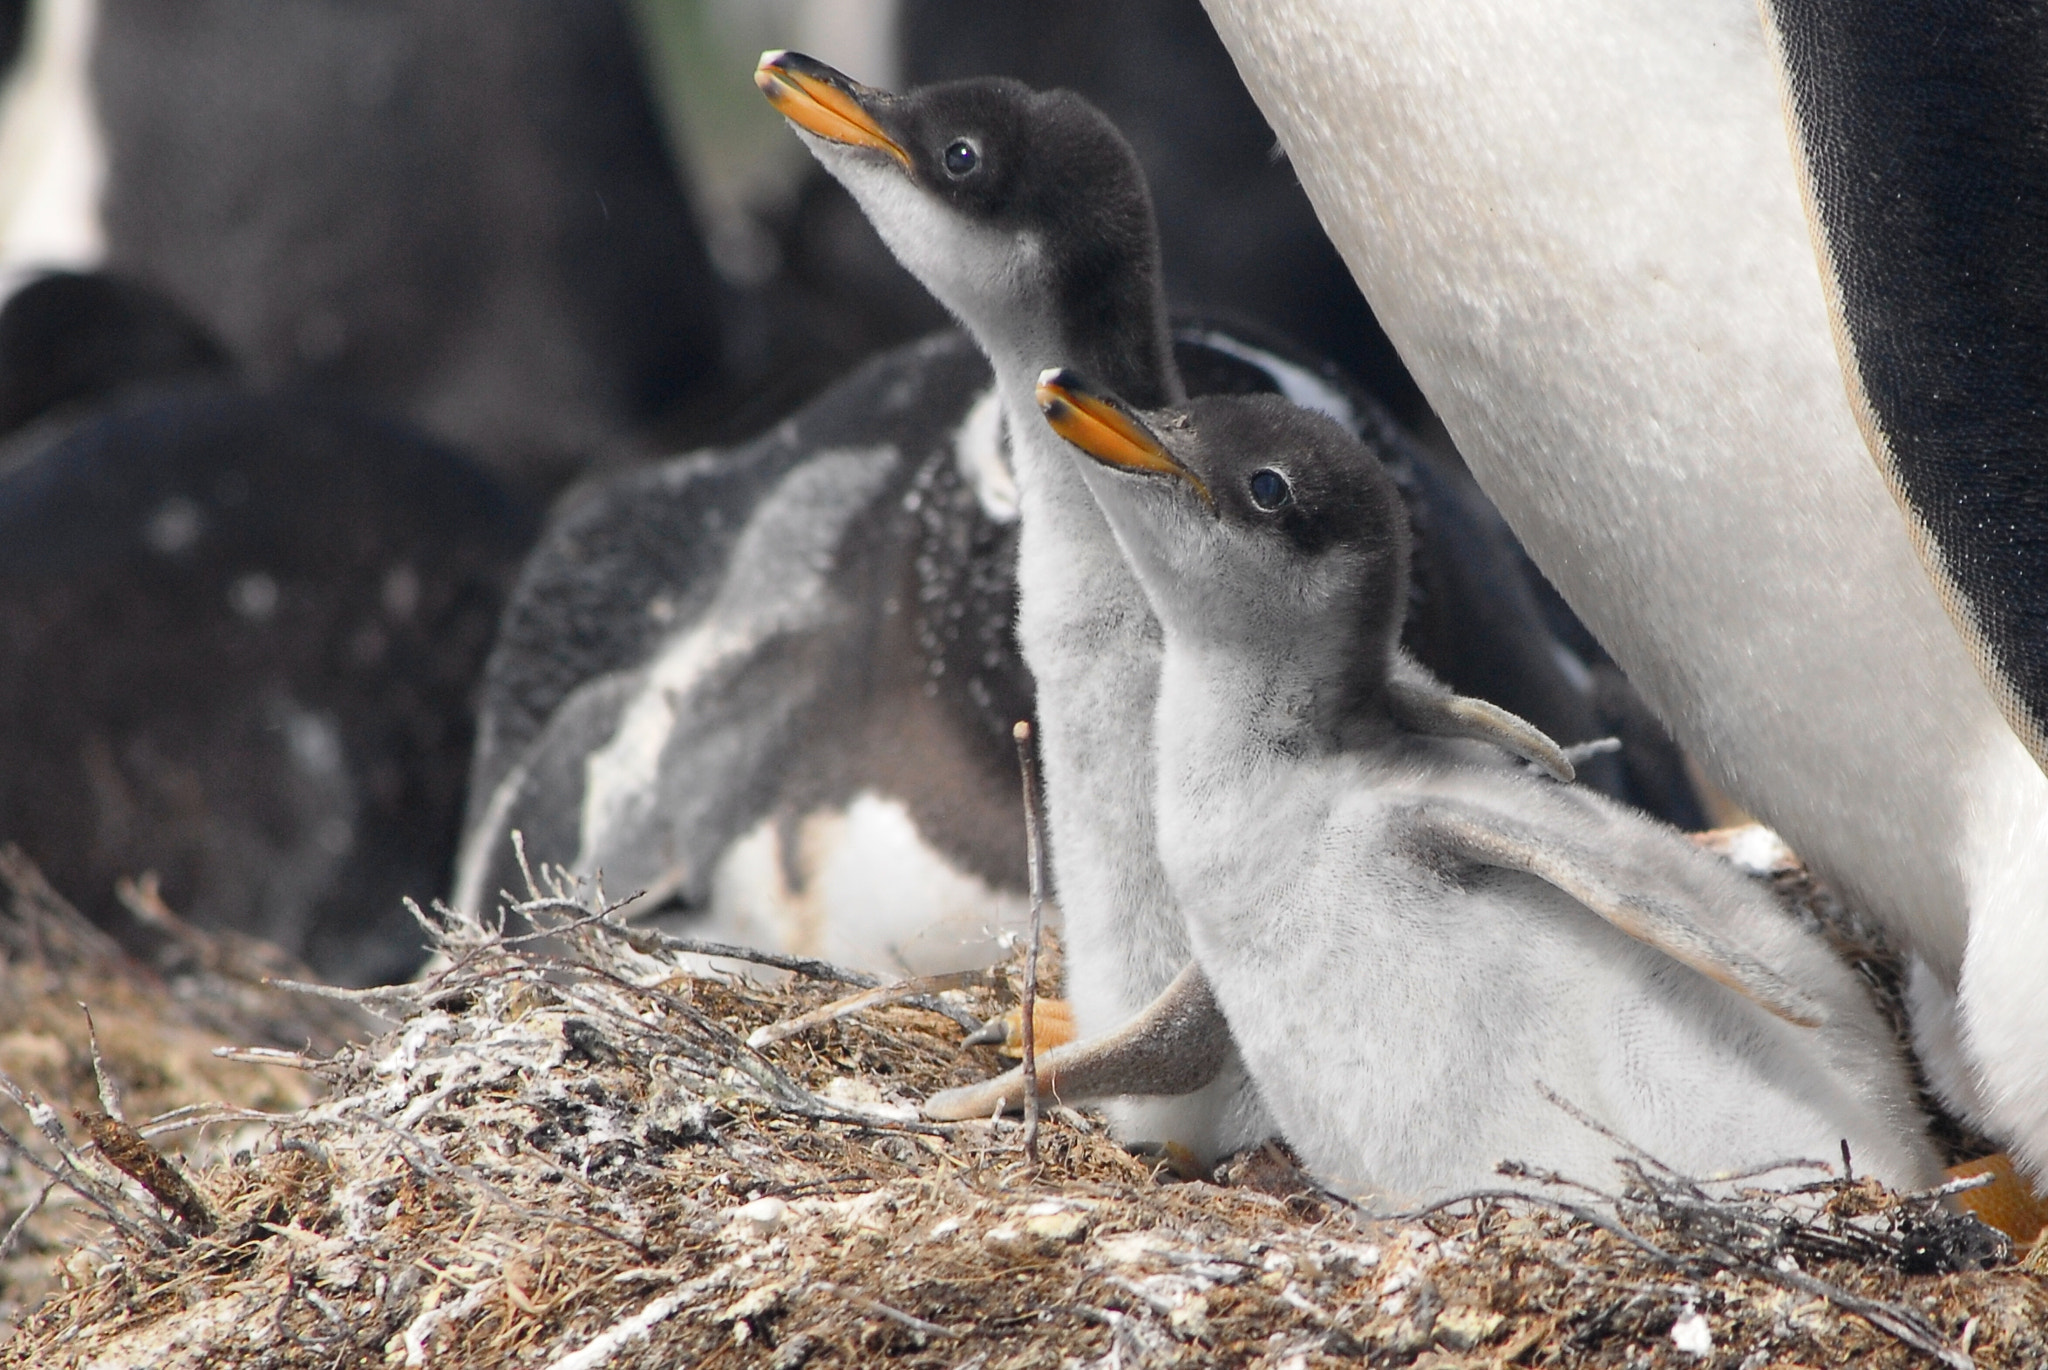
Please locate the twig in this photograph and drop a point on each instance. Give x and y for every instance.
(1942, 1191)
(525, 871)
(855, 1003)
(1034, 847)
(110, 1090)
(1588, 1121)
(647, 940)
(20, 1224)
(600, 1350)
(372, 998)
(272, 1056)
(1584, 1214)
(883, 1310)
(206, 1115)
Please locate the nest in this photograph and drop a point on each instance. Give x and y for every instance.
(580, 1144)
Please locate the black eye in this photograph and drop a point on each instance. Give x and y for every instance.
(961, 157)
(1269, 490)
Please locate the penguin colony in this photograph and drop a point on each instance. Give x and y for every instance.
(773, 686)
(764, 683)
(1340, 870)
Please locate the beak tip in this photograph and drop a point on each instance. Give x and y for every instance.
(1057, 386)
(823, 102)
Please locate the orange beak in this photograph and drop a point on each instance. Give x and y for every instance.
(1103, 426)
(820, 100)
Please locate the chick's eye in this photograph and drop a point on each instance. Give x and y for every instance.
(1269, 490)
(961, 156)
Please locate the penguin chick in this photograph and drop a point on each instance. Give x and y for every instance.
(1026, 214)
(1039, 273)
(1411, 940)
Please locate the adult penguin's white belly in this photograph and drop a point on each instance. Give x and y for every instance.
(1582, 225)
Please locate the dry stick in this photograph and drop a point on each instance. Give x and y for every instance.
(20, 1224)
(110, 1092)
(1034, 847)
(855, 1003)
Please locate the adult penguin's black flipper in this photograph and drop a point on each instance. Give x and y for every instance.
(1922, 130)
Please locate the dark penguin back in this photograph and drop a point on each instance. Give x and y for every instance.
(905, 683)
(1924, 133)
(238, 640)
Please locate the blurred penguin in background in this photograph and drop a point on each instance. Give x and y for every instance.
(461, 213)
(342, 292)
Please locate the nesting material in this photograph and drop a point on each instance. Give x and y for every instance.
(161, 1011)
(565, 1154)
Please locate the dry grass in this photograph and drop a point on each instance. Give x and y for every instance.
(564, 1154)
(159, 1022)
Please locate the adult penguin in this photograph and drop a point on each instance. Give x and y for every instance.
(1669, 328)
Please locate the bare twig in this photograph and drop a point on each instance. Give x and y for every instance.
(600, 1350)
(855, 1003)
(374, 998)
(206, 1115)
(525, 871)
(1034, 847)
(883, 1310)
(647, 941)
(20, 1224)
(110, 1090)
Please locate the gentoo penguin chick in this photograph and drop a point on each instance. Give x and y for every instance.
(1025, 213)
(1409, 938)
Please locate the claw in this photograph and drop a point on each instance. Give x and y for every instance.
(1052, 1026)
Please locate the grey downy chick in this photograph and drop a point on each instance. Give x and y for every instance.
(1026, 214)
(1039, 270)
(1410, 938)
